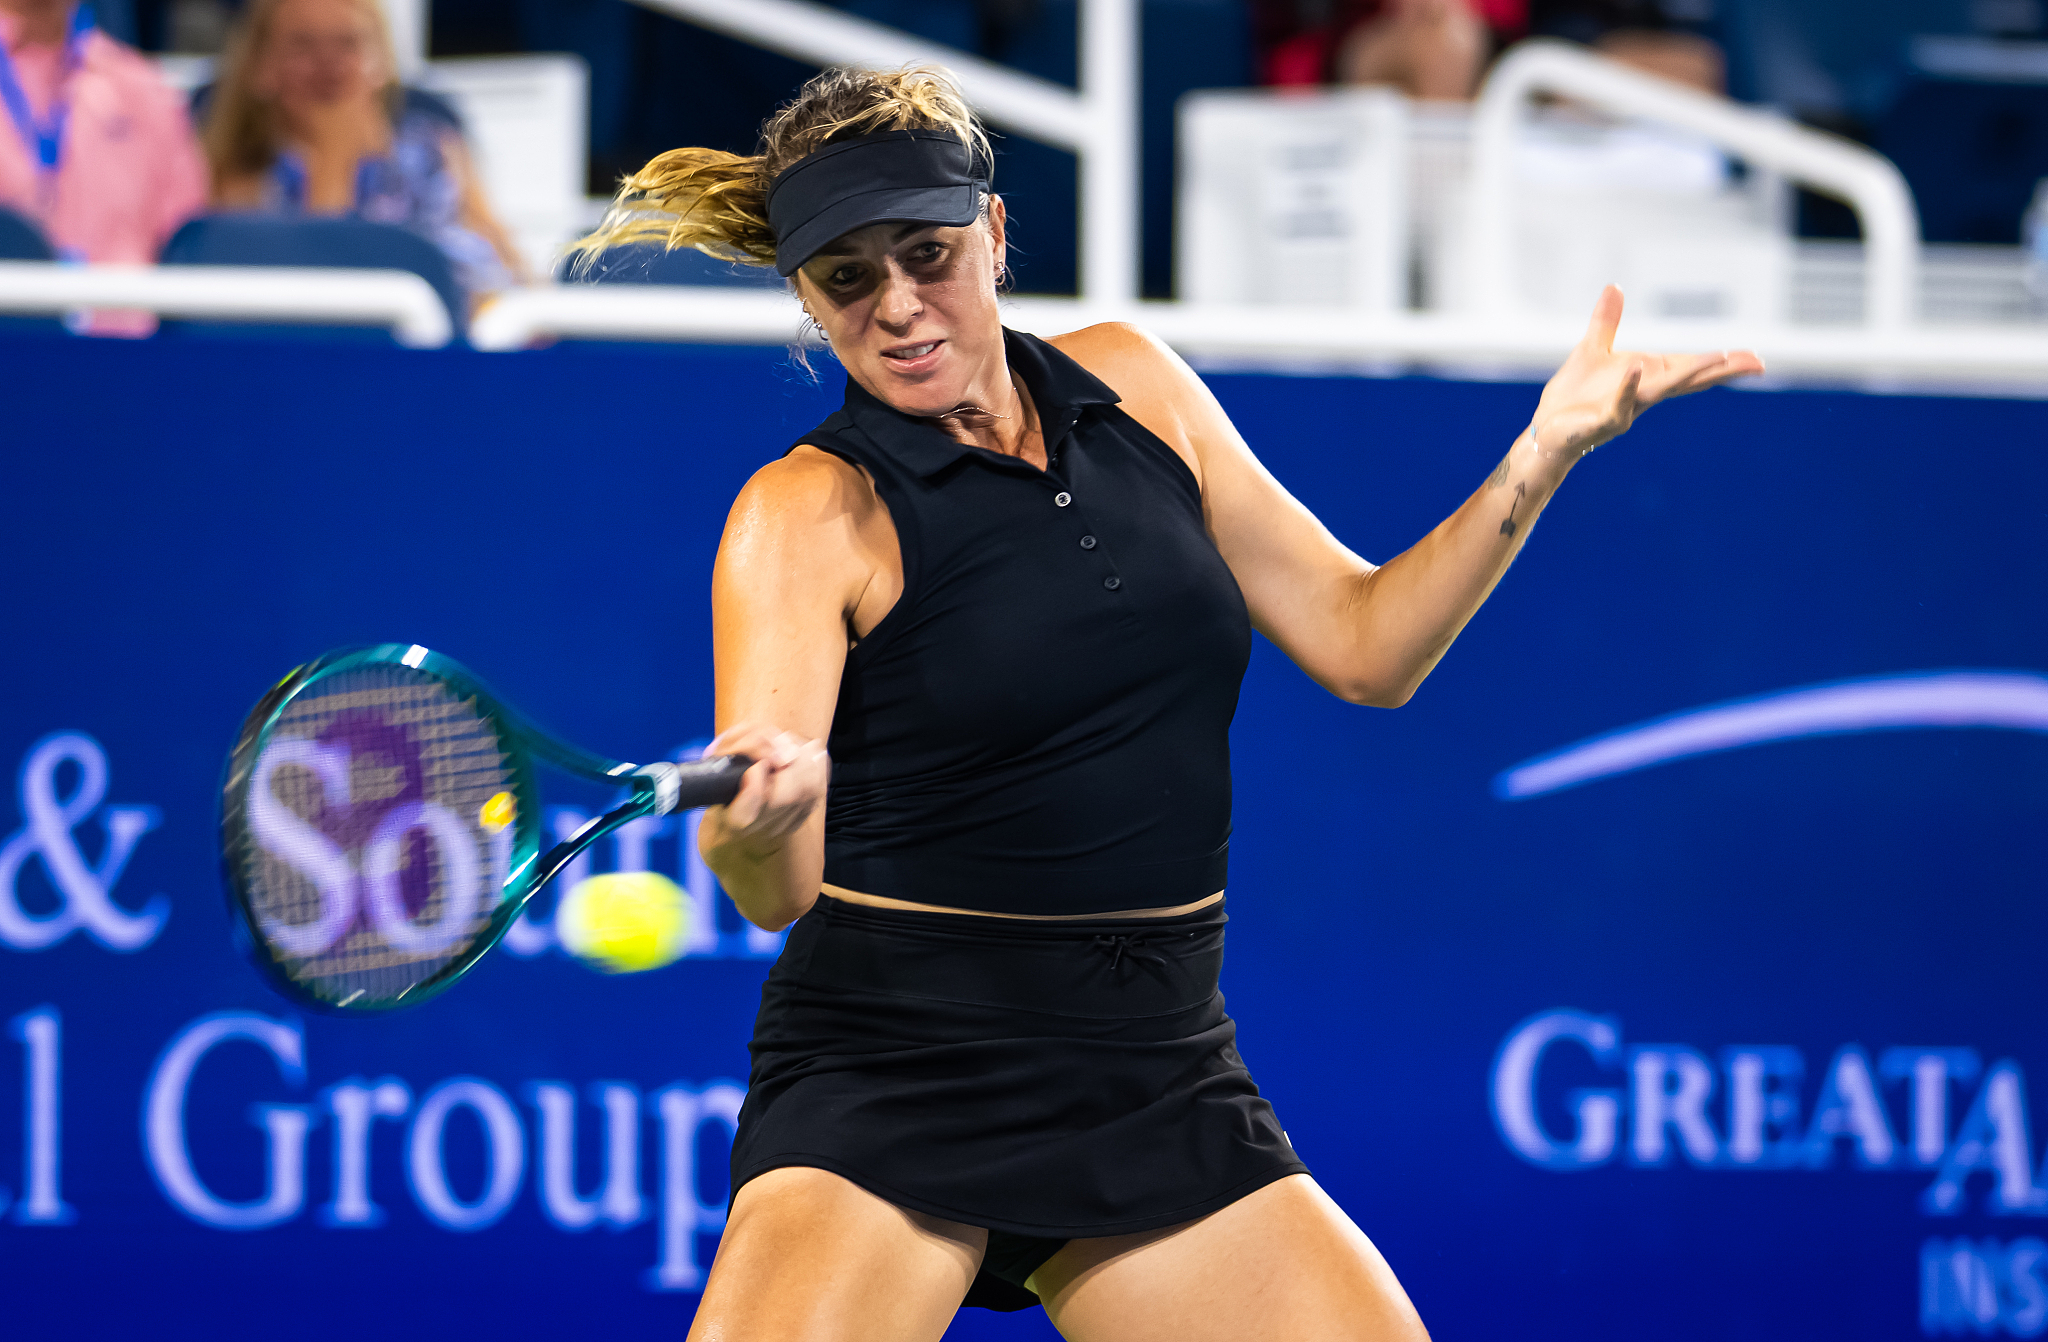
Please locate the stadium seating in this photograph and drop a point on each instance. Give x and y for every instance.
(21, 240)
(264, 240)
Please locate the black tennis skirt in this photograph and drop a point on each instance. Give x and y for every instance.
(1049, 1081)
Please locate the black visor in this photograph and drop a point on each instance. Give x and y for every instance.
(918, 176)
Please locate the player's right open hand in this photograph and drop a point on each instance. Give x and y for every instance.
(1598, 392)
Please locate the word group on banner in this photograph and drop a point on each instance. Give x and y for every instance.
(515, 1147)
(351, 1107)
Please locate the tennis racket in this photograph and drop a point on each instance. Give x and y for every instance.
(380, 828)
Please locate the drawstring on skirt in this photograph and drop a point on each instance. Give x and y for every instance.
(1133, 944)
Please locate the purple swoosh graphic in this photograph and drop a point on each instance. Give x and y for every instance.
(2013, 700)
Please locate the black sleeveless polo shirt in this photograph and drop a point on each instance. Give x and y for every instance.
(1041, 724)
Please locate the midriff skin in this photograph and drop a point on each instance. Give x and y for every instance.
(885, 902)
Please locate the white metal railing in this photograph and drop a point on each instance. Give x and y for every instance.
(1867, 181)
(397, 300)
(1513, 344)
(1099, 122)
(517, 319)
(407, 306)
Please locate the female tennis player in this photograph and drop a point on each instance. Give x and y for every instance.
(1010, 590)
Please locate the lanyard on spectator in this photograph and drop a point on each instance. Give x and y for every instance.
(44, 136)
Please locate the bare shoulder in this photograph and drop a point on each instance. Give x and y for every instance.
(807, 529)
(1158, 389)
(1129, 358)
(806, 489)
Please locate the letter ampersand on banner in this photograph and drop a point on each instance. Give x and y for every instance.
(84, 889)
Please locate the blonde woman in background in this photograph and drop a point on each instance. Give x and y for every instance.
(982, 632)
(309, 118)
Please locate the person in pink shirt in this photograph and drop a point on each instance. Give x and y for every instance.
(94, 148)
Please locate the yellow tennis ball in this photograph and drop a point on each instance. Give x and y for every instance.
(624, 922)
(501, 810)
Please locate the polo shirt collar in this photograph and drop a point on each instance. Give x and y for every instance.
(1060, 388)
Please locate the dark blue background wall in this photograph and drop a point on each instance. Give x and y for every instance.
(181, 523)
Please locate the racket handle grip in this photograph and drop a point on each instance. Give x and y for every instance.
(711, 781)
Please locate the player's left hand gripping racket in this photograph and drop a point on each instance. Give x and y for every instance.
(380, 829)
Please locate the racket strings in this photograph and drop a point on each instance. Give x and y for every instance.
(395, 738)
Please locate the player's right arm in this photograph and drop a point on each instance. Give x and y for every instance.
(801, 558)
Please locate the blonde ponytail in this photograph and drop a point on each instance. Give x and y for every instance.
(704, 198)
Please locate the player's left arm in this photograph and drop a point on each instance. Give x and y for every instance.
(1370, 634)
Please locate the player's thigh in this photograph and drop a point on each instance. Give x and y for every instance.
(810, 1257)
(1282, 1265)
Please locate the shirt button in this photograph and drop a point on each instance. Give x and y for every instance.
(1087, 542)
(1062, 499)
(1112, 583)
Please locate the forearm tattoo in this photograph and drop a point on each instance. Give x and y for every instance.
(1507, 525)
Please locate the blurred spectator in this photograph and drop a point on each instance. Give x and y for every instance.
(1659, 37)
(1432, 49)
(308, 118)
(1439, 48)
(99, 152)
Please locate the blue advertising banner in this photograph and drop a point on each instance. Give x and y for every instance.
(1670, 965)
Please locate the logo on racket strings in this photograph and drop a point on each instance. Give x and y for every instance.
(373, 846)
